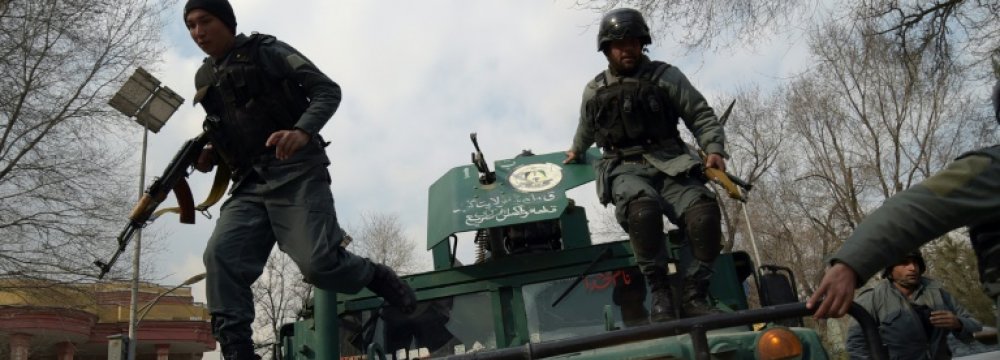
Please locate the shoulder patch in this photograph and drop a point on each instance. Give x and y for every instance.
(295, 61)
(957, 174)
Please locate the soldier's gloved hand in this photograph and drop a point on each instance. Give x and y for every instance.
(287, 142)
(715, 161)
(570, 157)
(206, 160)
(945, 319)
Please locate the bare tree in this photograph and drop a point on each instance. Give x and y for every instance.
(603, 225)
(946, 30)
(381, 239)
(715, 24)
(872, 124)
(280, 294)
(866, 122)
(62, 184)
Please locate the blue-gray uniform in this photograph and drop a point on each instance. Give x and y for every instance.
(903, 331)
(260, 87)
(646, 170)
(259, 91)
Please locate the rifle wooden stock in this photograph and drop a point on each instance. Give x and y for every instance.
(143, 208)
(729, 182)
(723, 179)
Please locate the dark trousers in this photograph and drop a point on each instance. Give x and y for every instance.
(292, 207)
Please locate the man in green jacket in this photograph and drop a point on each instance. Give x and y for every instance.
(915, 314)
(966, 193)
(270, 102)
(631, 110)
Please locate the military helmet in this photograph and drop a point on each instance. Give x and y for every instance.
(914, 256)
(620, 24)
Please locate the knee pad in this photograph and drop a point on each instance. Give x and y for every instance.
(702, 226)
(645, 225)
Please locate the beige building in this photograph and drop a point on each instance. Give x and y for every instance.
(43, 320)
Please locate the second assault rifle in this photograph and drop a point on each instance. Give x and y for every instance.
(173, 179)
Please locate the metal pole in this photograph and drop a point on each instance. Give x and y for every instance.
(753, 241)
(326, 322)
(694, 326)
(133, 322)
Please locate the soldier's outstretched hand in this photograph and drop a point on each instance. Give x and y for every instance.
(287, 142)
(836, 291)
(570, 157)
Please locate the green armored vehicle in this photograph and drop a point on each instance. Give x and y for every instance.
(539, 287)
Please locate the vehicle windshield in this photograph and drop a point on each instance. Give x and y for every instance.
(438, 327)
(581, 312)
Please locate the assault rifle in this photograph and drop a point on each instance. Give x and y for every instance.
(173, 179)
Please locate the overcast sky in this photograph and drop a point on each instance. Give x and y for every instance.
(417, 78)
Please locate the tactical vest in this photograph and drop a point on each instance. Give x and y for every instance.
(632, 111)
(251, 100)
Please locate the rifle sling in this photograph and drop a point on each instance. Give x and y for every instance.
(219, 187)
(185, 200)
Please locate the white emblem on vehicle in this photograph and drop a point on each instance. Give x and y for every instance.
(536, 177)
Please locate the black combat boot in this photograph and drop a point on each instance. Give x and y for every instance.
(662, 308)
(239, 351)
(696, 302)
(390, 287)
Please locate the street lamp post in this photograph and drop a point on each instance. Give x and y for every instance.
(152, 105)
(149, 305)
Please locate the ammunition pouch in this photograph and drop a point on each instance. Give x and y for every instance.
(251, 101)
(634, 111)
(702, 227)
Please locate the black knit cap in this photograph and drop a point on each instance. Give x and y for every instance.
(220, 8)
(913, 256)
